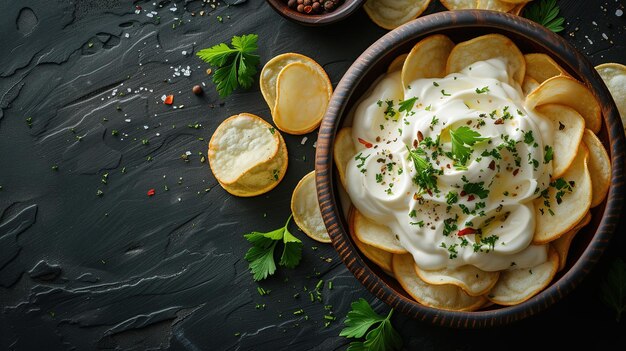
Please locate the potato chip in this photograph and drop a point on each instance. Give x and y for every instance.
(560, 210)
(494, 5)
(568, 127)
(380, 257)
(562, 244)
(614, 76)
(541, 67)
(343, 151)
(459, 4)
(269, 74)
(427, 59)
(306, 209)
(529, 84)
(518, 285)
(569, 92)
(517, 10)
(376, 235)
(397, 63)
(302, 95)
(599, 168)
(472, 280)
(518, 2)
(446, 297)
(390, 14)
(487, 47)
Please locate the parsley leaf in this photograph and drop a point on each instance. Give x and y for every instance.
(407, 105)
(545, 12)
(236, 66)
(476, 189)
(425, 177)
(461, 137)
(261, 254)
(613, 289)
(548, 154)
(360, 319)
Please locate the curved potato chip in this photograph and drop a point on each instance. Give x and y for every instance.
(569, 92)
(569, 128)
(261, 178)
(459, 4)
(269, 74)
(472, 280)
(518, 285)
(390, 14)
(397, 63)
(494, 5)
(306, 209)
(529, 84)
(376, 235)
(562, 244)
(614, 76)
(565, 208)
(380, 257)
(302, 95)
(517, 10)
(541, 67)
(343, 151)
(487, 47)
(446, 297)
(427, 59)
(599, 168)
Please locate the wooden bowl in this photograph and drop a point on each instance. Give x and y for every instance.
(588, 245)
(346, 9)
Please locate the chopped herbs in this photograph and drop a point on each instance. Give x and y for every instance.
(425, 173)
(482, 90)
(548, 154)
(359, 323)
(407, 105)
(443, 92)
(462, 138)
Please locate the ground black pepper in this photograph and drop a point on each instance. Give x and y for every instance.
(314, 6)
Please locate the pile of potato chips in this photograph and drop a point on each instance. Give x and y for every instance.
(579, 157)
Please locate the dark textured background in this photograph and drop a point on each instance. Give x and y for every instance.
(128, 271)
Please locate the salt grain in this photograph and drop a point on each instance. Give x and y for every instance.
(303, 140)
(127, 120)
(619, 12)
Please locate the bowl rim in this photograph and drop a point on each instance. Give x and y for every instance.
(421, 27)
(342, 12)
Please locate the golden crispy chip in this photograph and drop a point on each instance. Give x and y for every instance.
(397, 63)
(599, 168)
(374, 234)
(529, 84)
(390, 14)
(343, 151)
(494, 5)
(517, 10)
(542, 67)
(472, 280)
(459, 4)
(565, 208)
(518, 285)
(569, 92)
(562, 244)
(568, 128)
(306, 209)
(446, 297)
(302, 95)
(380, 257)
(614, 76)
(269, 73)
(427, 59)
(487, 47)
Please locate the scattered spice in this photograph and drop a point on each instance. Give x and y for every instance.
(197, 90)
(151, 192)
(169, 99)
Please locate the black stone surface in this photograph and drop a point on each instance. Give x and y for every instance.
(125, 271)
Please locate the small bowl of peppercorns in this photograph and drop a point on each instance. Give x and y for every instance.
(315, 12)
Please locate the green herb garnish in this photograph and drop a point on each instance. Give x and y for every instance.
(358, 324)
(236, 66)
(545, 12)
(482, 90)
(407, 105)
(425, 177)
(462, 138)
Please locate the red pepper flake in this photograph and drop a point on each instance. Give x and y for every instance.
(420, 136)
(471, 197)
(515, 172)
(367, 144)
(308, 9)
(466, 231)
(169, 100)
(499, 121)
(463, 193)
(492, 165)
(151, 192)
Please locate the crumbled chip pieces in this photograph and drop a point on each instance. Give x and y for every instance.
(614, 76)
(343, 151)
(427, 59)
(446, 297)
(599, 167)
(566, 202)
(486, 47)
(376, 235)
(568, 128)
(390, 14)
(569, 92)
(562, 244)
(306, 210)
(247, 155)
(518, 285)
(472, 280)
